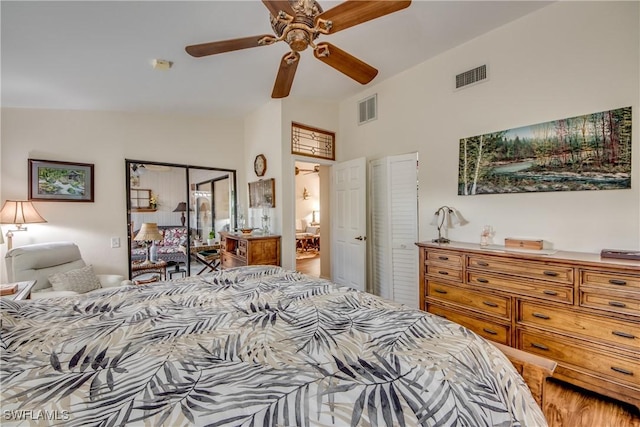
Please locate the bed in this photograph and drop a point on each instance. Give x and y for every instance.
(250, 346)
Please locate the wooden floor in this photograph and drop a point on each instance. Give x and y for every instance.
(568, 406)
(310, 266)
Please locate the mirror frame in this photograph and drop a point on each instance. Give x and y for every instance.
(233, 214)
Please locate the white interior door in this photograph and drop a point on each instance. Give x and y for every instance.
(349, 224)
(394, 228)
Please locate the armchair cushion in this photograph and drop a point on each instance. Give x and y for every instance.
(80, 280)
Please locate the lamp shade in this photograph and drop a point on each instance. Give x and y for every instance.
(19, 212)
(182, 207)
(148, 231)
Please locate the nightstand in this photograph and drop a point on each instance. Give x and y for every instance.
(23, 292)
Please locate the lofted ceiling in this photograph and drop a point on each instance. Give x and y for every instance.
(97, 55)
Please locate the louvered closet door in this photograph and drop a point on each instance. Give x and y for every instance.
(394, 228)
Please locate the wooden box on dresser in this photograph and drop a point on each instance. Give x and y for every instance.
(237, 250)
(577, 309)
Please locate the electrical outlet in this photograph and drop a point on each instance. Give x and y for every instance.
(115, 242)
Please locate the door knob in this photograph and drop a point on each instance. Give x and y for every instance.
(361, 238)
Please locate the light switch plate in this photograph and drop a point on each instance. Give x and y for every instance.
(115, 242)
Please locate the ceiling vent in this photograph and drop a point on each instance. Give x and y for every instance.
(368, 109)
(477, 75)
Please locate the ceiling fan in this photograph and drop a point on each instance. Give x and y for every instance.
(299, 23)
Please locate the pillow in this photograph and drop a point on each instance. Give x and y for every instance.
(81, 280)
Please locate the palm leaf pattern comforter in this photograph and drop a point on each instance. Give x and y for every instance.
(252, 346)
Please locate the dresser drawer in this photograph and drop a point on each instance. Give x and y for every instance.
(228, 261)
(552, 292)
(576, 354)
(442, 272)
(610, 280)
(452, 259)
(618, 302)
(490, 304)
(485, 328)
(530, 269)
(612, 331)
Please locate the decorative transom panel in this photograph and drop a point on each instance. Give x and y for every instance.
(312, 142)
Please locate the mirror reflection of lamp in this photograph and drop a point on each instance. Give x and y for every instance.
(18, 213)
(182, 207)
(149, 232)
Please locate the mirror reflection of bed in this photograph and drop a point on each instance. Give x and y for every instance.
(308, 229)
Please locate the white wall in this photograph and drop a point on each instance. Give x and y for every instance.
(105, 139)
(565, 60)
(262, 135)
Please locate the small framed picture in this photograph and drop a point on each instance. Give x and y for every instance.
(60, 181)
(262, 193)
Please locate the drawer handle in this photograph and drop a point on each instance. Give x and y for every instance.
(483, 264)
(550, 273)
(440, 291)
(443, 258)
(481, 280)
(443, 272)
(490, 331)
(621, 370)
(617, 304)
(540, 346)
(541, 316)
(617, 282)
(552, 293)
(490, 304)
(623, 334)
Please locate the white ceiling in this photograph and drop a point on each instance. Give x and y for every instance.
(97, 55)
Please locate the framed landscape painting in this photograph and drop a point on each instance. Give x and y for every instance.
(589, 152)
(60, 181)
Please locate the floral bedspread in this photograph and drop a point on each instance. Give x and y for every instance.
(252, 346)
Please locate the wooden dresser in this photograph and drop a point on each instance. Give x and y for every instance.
(239, 249)
(577, 309)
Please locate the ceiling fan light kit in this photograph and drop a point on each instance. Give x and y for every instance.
(299, 23)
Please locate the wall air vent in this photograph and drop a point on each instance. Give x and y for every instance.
(368, 109)
(477, 75)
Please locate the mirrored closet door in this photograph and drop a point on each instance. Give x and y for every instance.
(174, 215)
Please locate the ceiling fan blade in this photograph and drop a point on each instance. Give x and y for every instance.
(275, 6)
(286, 73)
(346, 63)
(354, 12)
(212, 48)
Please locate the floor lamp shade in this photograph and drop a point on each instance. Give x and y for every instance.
(18, 213)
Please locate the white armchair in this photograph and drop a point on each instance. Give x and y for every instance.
(39, 261)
